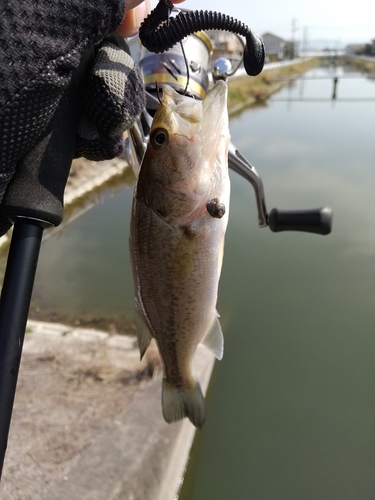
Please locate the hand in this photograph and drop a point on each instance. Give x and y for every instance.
(41, 46)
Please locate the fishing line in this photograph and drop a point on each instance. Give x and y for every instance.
(187, 68)
(160, 32)
(157, 91)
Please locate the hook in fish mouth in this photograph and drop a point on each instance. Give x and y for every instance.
(215, 208)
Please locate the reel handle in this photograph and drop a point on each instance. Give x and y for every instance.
(316, 220)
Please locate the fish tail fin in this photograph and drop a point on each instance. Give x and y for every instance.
(181, 402)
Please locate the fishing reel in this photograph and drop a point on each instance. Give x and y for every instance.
(177, 51)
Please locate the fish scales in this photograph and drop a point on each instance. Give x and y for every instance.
(176, 245)
(174, 304)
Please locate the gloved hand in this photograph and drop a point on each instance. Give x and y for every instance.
(114, 99)
(41, 45)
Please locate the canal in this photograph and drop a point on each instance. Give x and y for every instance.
(290, 408)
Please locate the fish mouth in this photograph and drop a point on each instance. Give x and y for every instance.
(188, 110)
(188, 119)
(214, 111)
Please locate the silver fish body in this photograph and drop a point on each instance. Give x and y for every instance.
(179, 218)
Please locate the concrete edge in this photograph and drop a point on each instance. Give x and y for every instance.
(137, 457)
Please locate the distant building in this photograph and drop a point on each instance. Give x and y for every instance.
(355, 49)
(370, 48)
(276, 47)
(224, 44)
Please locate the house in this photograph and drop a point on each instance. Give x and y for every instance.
(276, 47)
(370, 48)
(224, 44)
(355, 49)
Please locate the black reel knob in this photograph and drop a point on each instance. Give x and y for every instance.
(317, 220)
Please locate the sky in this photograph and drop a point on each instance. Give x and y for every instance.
(340, 22)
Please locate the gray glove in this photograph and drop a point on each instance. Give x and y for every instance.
(114, 99)
(41, 45)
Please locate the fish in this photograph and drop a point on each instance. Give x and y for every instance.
(178, 223)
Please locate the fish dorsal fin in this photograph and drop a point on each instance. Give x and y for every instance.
(214, 340)
(143, 332)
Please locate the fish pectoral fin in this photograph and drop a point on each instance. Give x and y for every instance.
(179, 403)
(214, 340)
(143, 332)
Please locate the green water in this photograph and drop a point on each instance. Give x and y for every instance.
(290, 409)
(291, 406)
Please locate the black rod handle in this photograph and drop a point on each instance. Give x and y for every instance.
(317, 220)
(33, 200)
(14, 309)
(37, 189)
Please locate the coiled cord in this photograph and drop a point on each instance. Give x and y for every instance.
(159, 32)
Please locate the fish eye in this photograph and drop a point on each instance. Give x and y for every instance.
(159, 138)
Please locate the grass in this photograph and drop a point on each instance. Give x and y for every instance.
(360, 64)
(247, 91)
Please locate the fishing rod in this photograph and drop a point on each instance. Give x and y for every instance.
(33, 202)
(176, 51)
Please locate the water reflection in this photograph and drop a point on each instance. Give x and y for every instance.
(332, 84)
(84, 272)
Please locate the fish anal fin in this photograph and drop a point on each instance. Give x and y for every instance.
(143, 333)
(214, 340)
(179, 403)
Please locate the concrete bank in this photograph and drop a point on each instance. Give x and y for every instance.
(85, 178)
(138, 456)
(244, 92)
(66, 440)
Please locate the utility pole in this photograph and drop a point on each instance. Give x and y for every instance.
(293, 40)
(304, 41)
